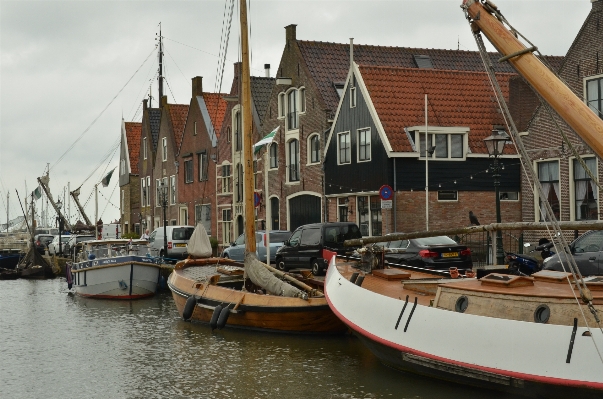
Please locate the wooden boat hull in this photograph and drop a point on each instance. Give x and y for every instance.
(518, 357)
(130, 277)
(255, 311)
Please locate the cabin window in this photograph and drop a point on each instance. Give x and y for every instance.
(226, 179)
(364, 145)
(188, 171)
(548, 175)
(226, 226)
(343, 148)
(314, 148)
(273, 156)
(144, 148)
(585, 190)
(164, 149)
(449, 195)
(203, 165)
(594, 95)
(293, 161)
(369, 215)
(292, 111)
(172, 189)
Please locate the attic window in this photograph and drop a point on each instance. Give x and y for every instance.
(423, 61)
(339, 87)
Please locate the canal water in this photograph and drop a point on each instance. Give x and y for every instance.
(54, 344)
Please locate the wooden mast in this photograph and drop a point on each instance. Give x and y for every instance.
(247, 135)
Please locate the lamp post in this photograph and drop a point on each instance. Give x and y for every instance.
(59, 204)
(164, 194)
(495, 145)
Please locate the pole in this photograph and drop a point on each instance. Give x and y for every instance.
(7, 203)
(69, 202)
(164, 206)
(426, 172)
(247, 134)
(267, 204)
(96, 211)
(500, 255)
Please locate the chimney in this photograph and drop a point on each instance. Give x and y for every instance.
(351, 52)
(290, 33)
(267, 70)
(237, 69)
(145, 104)
(197, 86)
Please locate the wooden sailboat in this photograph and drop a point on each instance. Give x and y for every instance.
(538, 336)
(227, 294)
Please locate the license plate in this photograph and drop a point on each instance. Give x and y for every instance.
(450, 255)
(181, 245)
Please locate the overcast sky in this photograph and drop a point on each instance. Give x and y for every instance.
(63, 62)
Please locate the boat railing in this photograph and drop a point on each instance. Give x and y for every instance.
(115, 250)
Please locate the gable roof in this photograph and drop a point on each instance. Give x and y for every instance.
(455, 98)
(178, 113)
(133, 132)
(261, 88)
(216, 108)
(329, 62)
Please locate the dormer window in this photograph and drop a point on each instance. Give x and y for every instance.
(442, 142)
(339, 88)
(594, 95)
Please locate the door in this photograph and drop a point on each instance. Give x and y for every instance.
(303, 209)
(309, 247)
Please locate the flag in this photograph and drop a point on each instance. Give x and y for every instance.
(266, 140)
(37, 193)
(106, 179)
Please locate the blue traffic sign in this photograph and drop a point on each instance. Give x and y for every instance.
(386, 192)
(256, 199)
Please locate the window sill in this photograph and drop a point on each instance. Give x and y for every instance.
(225, 194)
(364, 161)
(313, 163)
(292, 183)
(346, 163)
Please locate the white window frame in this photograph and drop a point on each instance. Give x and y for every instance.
(572, 187)
(226, 181)
(585, 80)
(448, 200)
(237, 133)
(298, 164)
(148, 190)
(370, 214)
(536, 197)
(281, 105)
(500, 193)
(301, 93)
(433, 130)
(191, 178)
(309, 149)
(144, 148)
(292, 93)
(370, 155)
(164, 149)
(143, 188)
(173, 190)
(227, 226)
(339, 162)
(123, 202)
(271, 158)
(353, 98)
(203, 166)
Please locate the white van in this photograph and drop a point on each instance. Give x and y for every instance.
(177, 238)
(111, 231)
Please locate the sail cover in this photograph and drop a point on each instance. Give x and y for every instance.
(259, 275)
(199, 245)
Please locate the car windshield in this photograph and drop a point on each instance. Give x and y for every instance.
(440, 240)
(338, 234)
(279, 237)
(182, 233)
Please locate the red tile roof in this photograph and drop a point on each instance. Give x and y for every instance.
(216, 106)
(133, 132)
(456, 98)
(178, 113)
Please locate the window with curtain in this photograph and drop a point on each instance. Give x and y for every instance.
(314, 149)
(594, 95)
(548, 175)
(585, 190)
(294, 160)
(273, 156)
(344, 148)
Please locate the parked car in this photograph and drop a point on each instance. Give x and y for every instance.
(588, 254)
(177, 238)
(305, 246)
(439, 252)
(53, 247)
(236, 251)
(74, 239)
(41, 242)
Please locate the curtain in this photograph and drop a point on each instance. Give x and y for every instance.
(581, 197)
(546, 188)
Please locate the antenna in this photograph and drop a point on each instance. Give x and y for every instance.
(160, 67)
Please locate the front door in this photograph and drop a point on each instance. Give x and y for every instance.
(303, 209)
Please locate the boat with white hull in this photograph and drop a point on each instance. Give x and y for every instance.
(115, 269)
(412, 330)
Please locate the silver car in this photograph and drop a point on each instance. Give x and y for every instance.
(236, 251)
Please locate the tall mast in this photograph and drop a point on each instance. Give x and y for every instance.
(249, 209)
(160, 67)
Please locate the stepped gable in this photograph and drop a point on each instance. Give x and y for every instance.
(261, 88)
(456, 98)
(178, 113)
(133, 132)
(155, 123)
(216, 107)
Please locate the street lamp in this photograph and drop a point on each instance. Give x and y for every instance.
(59, 204)
(164, 194)
(495, 145)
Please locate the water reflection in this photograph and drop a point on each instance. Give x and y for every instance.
(57, 345)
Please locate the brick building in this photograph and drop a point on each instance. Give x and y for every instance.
(129, 179)
(197, 158)
(569, 189)
(151, 120)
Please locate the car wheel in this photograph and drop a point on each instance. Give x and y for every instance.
(316, 268)
(280, 264)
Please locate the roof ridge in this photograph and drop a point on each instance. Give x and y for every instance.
(415, 69)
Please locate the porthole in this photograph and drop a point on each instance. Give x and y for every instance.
(542, 314)
(461, 304)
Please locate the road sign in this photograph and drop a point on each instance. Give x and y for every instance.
(386, 204)
(386, 192)
(257, 198)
